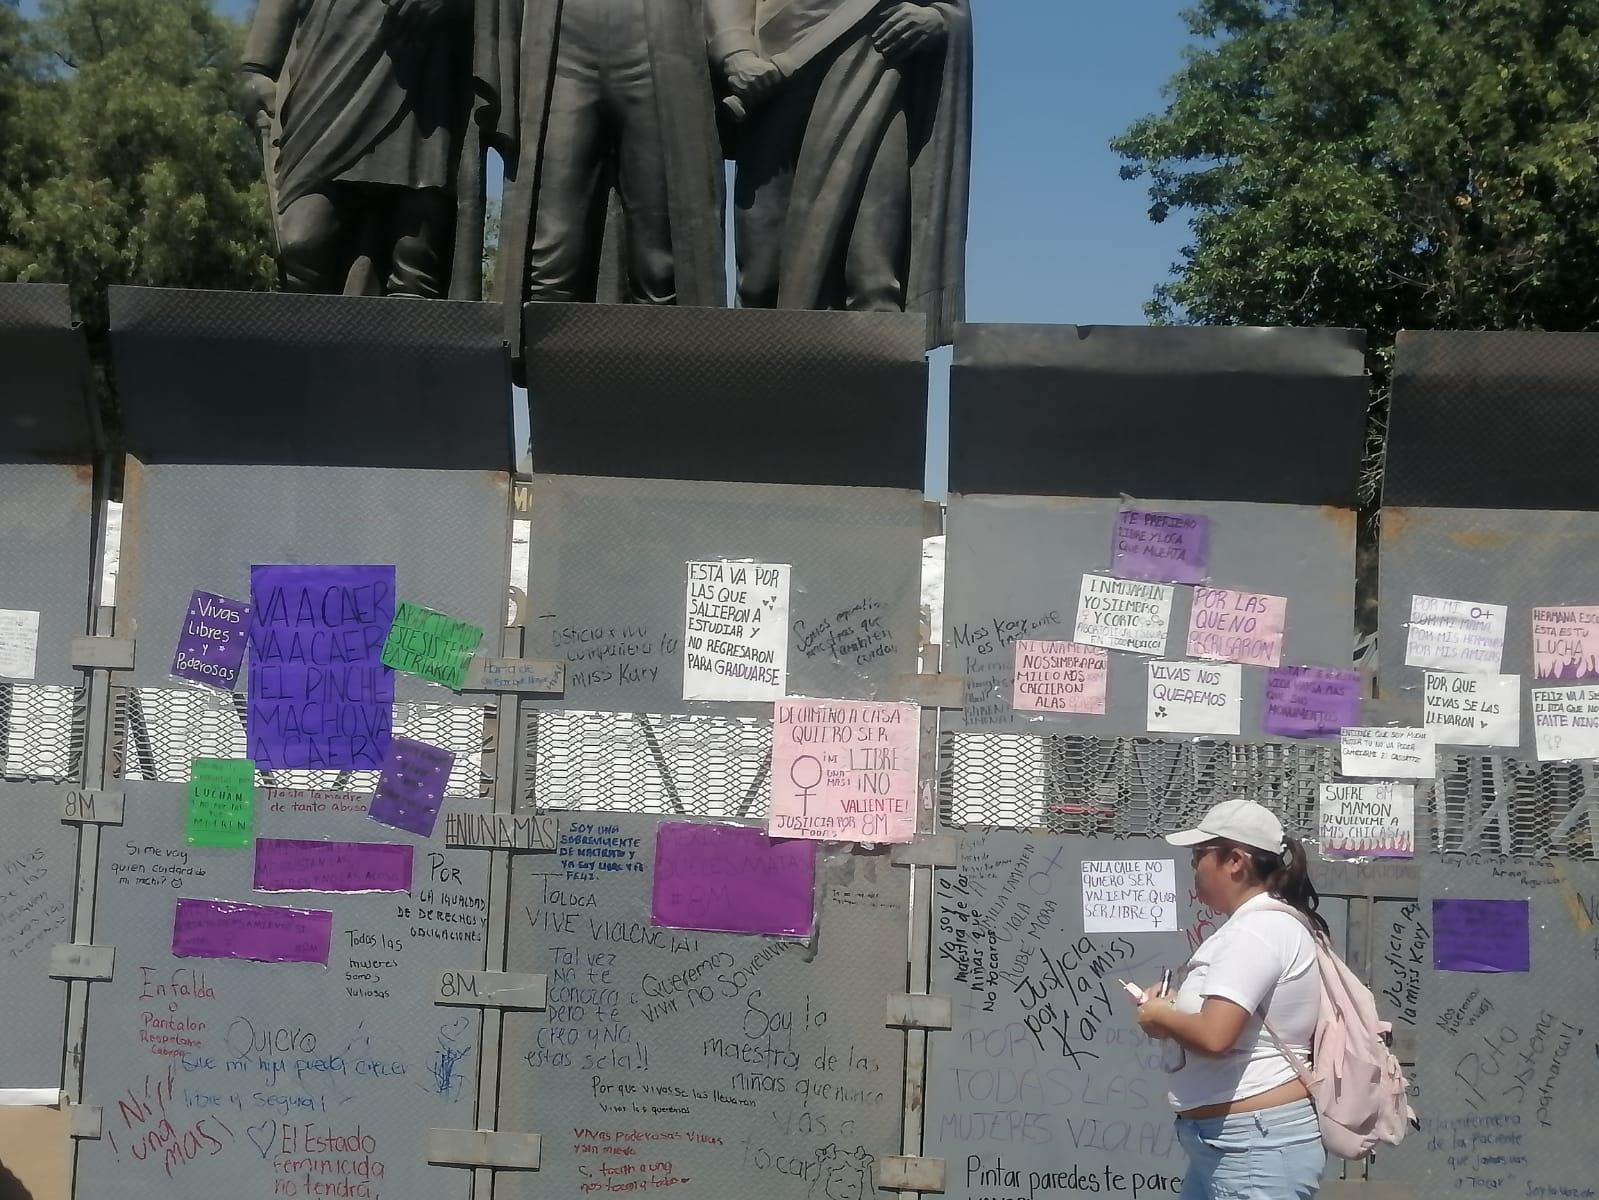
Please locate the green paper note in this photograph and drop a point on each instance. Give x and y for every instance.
(221, 803)
(430, 645)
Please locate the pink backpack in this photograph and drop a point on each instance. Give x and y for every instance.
(1355, 1081)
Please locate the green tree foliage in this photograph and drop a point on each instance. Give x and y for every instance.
(122, 157)
(1383, 164)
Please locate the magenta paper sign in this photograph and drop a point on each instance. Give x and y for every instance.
(287, 865)
(1488, 936)
(733, 879)
(1241, 627)
(1162, 547)
(411, 789)
(844, 770)
(320, 697)
(1311, 701)
(211, 646)
(260, 932)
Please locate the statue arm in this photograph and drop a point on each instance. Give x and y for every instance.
(267, 43)
(730, 28)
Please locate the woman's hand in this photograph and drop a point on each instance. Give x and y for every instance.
(1152, 1013)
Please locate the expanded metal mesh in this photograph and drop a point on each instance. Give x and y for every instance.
(156, 732)
(1514, 808)
(1123, 786)
(41, 732)
(701, 766)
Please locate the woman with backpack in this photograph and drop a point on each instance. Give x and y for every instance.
(1244, 1114)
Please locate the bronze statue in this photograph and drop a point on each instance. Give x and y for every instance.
(374, 116)
(616, 96)
(854, 154)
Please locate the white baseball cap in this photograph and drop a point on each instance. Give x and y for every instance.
(1241, 821)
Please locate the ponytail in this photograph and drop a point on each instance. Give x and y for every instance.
(1287, 878)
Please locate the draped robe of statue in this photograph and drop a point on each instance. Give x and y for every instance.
(848, 151)
(604, 120)
(377, 119)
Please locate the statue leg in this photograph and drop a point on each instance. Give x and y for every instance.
(422, 236)
(769, 144)
(878, 257)
(569, 213)
(641, 179)
(314, 248)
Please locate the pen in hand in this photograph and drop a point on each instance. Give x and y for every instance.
(1165, 980)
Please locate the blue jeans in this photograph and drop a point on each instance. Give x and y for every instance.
(1273, 1154)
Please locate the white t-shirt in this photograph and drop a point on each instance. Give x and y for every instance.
(1257, 959)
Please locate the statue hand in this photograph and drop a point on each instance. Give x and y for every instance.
(908, 29)
(258, 97)
(750, 75)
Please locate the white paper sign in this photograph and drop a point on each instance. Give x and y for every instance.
(1565, 722)
(1137, 896)
(1473, 710)
(1377, 751)
(1195, 697)
(1455, 635)
(19, 642)
(1123, 614)
(1368, 820)
(735, 642)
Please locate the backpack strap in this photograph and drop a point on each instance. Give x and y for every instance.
(1301, 1068)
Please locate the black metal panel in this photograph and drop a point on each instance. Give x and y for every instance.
(340, 381)
(1494, 420)
(1182, 413)
(46, 407)
(740, 395)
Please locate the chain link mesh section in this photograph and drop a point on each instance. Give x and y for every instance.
(702, 766)
(1120, 786)
(1500, 807)
(156, 732)
(42, 733)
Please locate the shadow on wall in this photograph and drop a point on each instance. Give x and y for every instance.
(12, 1188)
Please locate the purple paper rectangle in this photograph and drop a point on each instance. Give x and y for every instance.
(260, 932)
(1481, 935)
(1162, 547)
(211, 646)
(733, 879)
(411, 789)
(320, 697)
(1311, 701)
(288, 865)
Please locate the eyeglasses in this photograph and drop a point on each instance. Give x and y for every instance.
(1198, 853)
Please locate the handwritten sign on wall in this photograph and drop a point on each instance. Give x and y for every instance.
(1565, 642)
(1481, 935)
(293, 865)
(1311, 701)
(1122, 614)
(1379, 751)
(1565, 722)
(1242, 627)
(319, 695)
(1060, 677)
(260, 932)
(430, 645)
(732, 879)
(735, 641)
(1367, 820)
(211, 645)
(1195, 697)
(19, 643)
(1473, 710)
(1162, 547)
(221, 803)
(844, 770)
(1138, 896)
(410, 791)
(1455, 635)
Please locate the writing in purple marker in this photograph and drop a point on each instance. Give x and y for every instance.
(1162, 547)
(1311, 701)
(288, 865)
(258, 932)
(411, 788)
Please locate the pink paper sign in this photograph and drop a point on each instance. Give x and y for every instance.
(1565, 642)
(844, 770)
(1242, 627)
(260, 932)
(1060, 677)
(288, 865)
(733, 879)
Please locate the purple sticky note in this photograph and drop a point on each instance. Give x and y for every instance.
(1311, 701)
(1481, 935)
(411, 789)
(1162, 547)
(211, 646)
(287, 865)
(260, 932)
(320, 697)
(733, 879)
